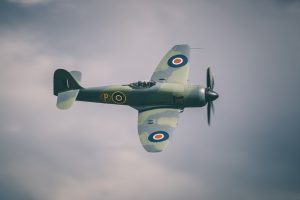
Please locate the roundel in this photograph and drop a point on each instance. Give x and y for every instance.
(118, 97)
(177, 60)
(158, 136)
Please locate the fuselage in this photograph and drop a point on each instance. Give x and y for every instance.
(143, 95)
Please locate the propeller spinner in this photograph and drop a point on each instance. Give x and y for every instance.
(210, 95)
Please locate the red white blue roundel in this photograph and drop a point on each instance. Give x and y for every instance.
(158, 136)
(177, 60)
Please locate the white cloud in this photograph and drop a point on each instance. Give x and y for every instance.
(29, 2)
(26, 69)
(133, 176)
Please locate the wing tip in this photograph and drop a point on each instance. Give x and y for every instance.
(181, 47)
(150, 149)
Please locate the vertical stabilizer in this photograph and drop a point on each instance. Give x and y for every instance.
(66, 87)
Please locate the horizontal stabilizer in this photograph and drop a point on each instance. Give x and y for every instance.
(76, 75)
(66, 99)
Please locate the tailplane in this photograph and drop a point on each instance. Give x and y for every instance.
(66, 87)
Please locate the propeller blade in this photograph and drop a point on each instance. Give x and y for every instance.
(208, 112)
(208, 78)
(210, 94)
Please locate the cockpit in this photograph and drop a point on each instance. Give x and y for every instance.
(142, 84)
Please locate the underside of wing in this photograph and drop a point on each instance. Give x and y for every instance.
(156, 126)
(174, 66)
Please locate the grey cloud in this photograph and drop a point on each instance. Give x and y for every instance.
(92, 151)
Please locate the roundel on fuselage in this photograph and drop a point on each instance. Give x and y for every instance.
(177, 61)
(118, 97)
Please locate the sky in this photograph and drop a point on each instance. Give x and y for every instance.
(92, 151)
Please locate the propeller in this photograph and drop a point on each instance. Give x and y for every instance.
(210, 94)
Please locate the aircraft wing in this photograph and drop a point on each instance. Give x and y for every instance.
(156, 126)
(174, 66)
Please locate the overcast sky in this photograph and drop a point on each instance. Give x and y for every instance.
(92, 151)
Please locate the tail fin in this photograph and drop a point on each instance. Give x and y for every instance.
(66, 87)
(65, 81)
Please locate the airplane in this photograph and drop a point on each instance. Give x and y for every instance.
(158, 101)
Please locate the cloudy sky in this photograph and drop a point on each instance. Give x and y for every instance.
(92, 151)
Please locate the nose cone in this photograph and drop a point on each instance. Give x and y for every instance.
(211, 95)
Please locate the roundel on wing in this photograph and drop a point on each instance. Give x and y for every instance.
(158, 136)
(118, 97)
(177, 61)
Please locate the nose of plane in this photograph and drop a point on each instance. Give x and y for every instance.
(211, 95)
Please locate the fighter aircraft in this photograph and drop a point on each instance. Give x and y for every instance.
(158, 101)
